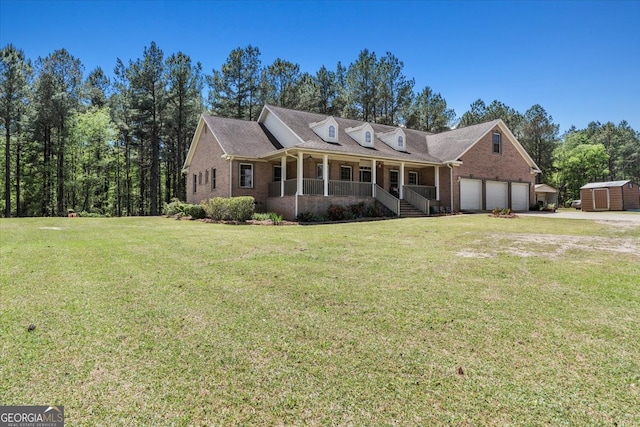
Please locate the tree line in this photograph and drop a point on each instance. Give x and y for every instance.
(116, 145)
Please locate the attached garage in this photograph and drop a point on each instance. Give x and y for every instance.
(497, 195)
(610, 196)
(519, 196)
(470, 194)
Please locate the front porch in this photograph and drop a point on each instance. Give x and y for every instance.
(311, 182)
(316, 197)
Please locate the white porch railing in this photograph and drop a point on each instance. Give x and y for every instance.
(316, 187)
(416, 199)
(350, 188)
(384, 197)
(426, 191)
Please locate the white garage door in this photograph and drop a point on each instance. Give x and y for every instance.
(519, 197)
(470, 194)
(497, 195)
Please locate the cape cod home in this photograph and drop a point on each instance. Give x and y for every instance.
(293, 162)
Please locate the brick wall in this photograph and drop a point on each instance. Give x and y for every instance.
(480, 162)
(207, 156)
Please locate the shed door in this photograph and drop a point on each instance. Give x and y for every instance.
(497, 193)
(519, 197)
(470, 194)
(601, 199)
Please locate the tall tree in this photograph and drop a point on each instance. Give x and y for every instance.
(148, 83)
(97, 87)
(362, 85)
(479, 112)
(58, 94)
(429, 112)
(280, 84)
(327, 90)
(233, 90)
(15, 71)
(185, 103)
(394, 90)
(539, 138)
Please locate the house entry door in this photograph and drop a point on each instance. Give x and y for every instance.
(393, 183)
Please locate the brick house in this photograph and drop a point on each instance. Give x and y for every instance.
(294, 161)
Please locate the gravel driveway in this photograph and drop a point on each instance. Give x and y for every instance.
(626, 216)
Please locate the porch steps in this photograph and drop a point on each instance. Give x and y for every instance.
(407, 210)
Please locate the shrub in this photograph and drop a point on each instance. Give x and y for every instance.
(217, 208)
(195, 211)
(335, 213)
(241, 208)
(261, 216)
(275, 218)
(236, 208)
(173, 208)
(306, 217)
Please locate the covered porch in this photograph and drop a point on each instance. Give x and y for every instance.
(312, 181)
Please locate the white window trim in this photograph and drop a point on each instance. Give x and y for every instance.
(493, 144)
(416, 175)
(240, 175)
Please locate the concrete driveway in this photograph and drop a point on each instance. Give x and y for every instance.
(626, 216)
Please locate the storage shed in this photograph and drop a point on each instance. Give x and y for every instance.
(546, 195)
(610, 196)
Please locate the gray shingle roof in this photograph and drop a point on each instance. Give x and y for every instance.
(252, 139)
(241, 137)
(449, 146)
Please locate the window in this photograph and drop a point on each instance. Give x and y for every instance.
(345, 173)
(319, 168)
(413, 178)
(246, 175)
(365, 174)
(332, 131)
(497, 143)
(206, 176)
(367, 137)
(277, 173)
(213, 178)
(200, 178)
(400, 141)
(195, 183)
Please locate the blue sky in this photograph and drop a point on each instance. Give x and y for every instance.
(580, 60)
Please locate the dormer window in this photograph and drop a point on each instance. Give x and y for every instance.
(395, 139)
(326, 129)
(363, 134)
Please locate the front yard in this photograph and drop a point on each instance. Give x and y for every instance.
(461, 320)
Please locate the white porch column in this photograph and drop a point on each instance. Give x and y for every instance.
(325, 174)
(300, 169)
(374, 177)
(437, 182)
(401, 183)
(283, 173)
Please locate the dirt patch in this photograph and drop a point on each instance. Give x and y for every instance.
(549, 245)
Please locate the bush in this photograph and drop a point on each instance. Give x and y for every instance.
(217, 208)
(261, 216)
(236, 208)
(241, 208)
(195, 211)
(173, 208)
(307, 217)
(275, 218)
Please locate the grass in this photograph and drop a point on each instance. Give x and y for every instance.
(440, 321)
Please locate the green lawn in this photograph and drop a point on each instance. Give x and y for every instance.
(465, 320)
